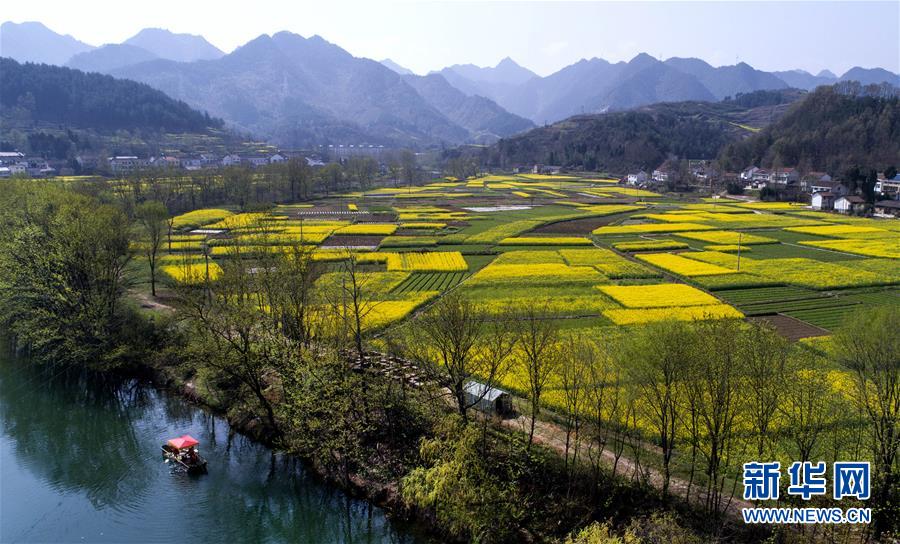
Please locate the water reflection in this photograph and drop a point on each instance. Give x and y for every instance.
(80, 461)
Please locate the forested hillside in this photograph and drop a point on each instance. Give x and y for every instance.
(31, 94)
(833, 129)
(645, 137)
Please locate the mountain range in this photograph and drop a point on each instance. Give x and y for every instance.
(300, 91)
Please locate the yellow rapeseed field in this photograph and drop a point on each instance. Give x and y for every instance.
(646, 228)
(871, 248)
(681, 266)
(686, 313)
(199, 218)
(664, 295)
(838, 230)
(373, 229)
(545, 241)
(192, 273)
(650, 245)
(438, 261)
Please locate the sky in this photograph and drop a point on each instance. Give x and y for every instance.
(542, 36)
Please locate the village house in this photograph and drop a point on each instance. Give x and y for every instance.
(231, 160)
(811, 179)
(637, 179)
(760, 176)
(192, 163)
(549, 169)
(277, 158)
(850, 204)
(887, 208)
(123, 164)
(207, 160)
(783, 176)
(667, 171)
(255, 161)
(888, 188)
(38, 167)
(836, 188)
(8, 158)
(165, 161)
(823, 200)
(747, 175)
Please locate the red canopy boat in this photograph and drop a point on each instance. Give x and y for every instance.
(184, 453)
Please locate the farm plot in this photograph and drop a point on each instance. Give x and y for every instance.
(650, 245)
(610, 264)
(431, 281)
(870, 248)
(663, 295)
(727, 237)
(438, 261)
(682, 266)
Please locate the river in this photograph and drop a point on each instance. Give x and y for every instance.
(80, 462)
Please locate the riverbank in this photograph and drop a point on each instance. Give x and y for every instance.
(80, 461)
(381, 494)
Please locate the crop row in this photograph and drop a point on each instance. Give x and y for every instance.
(764, 294)
(434, 281)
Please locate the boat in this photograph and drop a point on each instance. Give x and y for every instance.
(184, 453)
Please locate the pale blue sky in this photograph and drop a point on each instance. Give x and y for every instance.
(543, 36)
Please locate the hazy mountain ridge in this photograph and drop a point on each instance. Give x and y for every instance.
(302, 91)
(34, 42)
(109, 57)
(595, 85)
(487, 121)
(178, 47)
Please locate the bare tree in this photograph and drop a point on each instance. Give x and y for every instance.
(658, 355)
(767, 355)
(152, 216)
(868, 345)
(573, 375)
(716, 393)
(804, 407)
(461, 341)
(539, 354)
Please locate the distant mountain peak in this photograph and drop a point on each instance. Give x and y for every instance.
(508, 62)
(178, 47)
(642, 57)
(32, 41)
(826, 73)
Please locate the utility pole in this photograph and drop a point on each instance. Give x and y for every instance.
(740, 237)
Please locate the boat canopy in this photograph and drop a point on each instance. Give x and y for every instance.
(184, 441)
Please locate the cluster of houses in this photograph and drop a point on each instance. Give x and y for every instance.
(124, 164)
(14, 163)
(824, 192)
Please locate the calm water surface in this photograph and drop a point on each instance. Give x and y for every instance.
(80, 462)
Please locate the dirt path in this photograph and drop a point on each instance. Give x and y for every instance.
(553, 436)
(150, 303)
